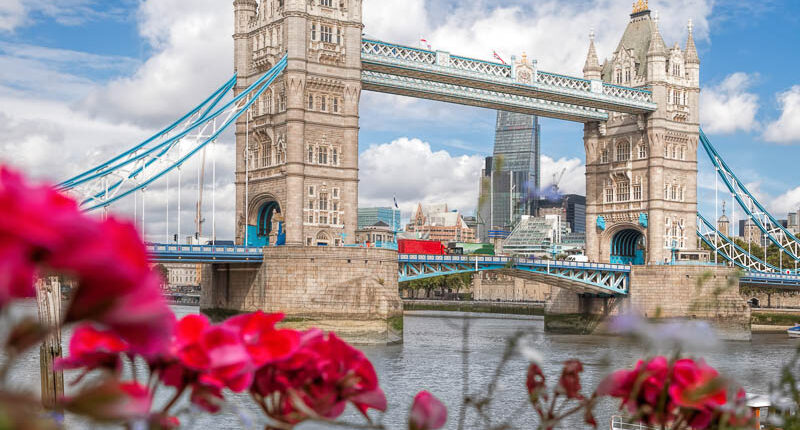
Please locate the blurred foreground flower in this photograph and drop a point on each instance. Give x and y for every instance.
(427, 413)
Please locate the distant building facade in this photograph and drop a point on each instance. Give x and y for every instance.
(370, 216)
(548, 235)
(379, 233)
(571, 208)
(183, 275)
(511, 177)
(436, 222)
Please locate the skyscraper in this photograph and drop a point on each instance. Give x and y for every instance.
(511, 177)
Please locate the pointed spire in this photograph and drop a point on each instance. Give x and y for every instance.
(592, 69)
(657, 46)
(691, 49)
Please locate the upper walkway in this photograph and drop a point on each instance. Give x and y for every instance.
(438, 75)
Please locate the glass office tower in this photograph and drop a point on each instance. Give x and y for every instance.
(511, 177)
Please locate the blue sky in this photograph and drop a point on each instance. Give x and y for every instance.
(85, 78)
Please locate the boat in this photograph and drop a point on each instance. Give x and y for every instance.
(794, 331)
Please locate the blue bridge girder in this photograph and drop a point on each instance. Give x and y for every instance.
(590, 278)
(174, 253)
(437, 75)
(775, 280)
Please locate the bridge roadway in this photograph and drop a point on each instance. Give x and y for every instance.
(520, 87)
(588, 278)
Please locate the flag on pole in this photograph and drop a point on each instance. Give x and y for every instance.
(497, 56)
(424, 42)
(394, 197)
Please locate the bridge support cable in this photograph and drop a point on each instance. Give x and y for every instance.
(136, 168)
(726, 248)
(754, 210)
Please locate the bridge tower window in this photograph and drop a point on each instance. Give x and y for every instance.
(623, 151)
(313, 31)
(310, 102)
(604, 156)
(637, 192)
(339, 36)
(323, 155)
(609, 195)
(326, 33)
(628, 76)
(310, 154)
(335, 105)
(326, 3)
(623, 192)
(642, 152)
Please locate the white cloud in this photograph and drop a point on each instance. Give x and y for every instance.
(728, 107)
(194, 56)
(12, 14)
(787, 128)
(570, 172)
(785, 203)
(411, 170)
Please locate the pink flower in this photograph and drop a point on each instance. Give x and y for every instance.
(17, 273)
(325, 373)
(696, 385)
(264, 343)
(112, 401)
(570, 382)
(91, 348)
(536, 383)
(427, 413)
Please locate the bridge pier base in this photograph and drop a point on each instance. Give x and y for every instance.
(352, 291)
(658, 293)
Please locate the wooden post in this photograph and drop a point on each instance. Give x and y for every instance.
(48, 297)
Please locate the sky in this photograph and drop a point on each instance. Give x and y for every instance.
(81, 80)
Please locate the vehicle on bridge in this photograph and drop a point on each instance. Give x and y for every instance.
(463, 248)
(418, 246)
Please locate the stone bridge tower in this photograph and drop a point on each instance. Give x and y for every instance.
(641, 170)
(299, 143)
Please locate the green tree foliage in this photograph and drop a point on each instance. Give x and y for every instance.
(436, 287)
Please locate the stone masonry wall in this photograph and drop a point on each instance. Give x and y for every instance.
(662, 292)
(352, 291)
(493, 286)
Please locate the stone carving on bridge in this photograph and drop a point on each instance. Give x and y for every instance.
(526, 72)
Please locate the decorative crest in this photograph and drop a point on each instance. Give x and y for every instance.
(640, 6)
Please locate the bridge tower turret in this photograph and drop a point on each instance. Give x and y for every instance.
(641, 170)
(297, 150)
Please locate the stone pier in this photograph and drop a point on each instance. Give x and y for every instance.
(352, 291)
(659, 293)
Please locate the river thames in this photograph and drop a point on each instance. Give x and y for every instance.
(431, 359)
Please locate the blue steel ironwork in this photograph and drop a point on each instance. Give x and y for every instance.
(774, 230)
(428, 67)
(173, 253)
(94, 183)
(603, 278)
(770, 280)
(729, 250)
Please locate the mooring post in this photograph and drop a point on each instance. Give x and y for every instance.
(48, 297)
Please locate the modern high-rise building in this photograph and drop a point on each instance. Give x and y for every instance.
(510, 179)
(370, 216)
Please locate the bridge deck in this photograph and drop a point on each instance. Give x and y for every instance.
(594, 278)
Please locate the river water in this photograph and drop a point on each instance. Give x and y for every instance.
(431, 358)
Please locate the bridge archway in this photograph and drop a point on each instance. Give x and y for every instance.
(265, 226)
(628, 247)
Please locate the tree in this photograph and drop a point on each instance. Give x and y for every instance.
(164, 272)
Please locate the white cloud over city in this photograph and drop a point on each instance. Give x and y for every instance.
(786, 129)
(728, 107)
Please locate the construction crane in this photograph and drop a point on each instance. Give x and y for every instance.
(557, 177)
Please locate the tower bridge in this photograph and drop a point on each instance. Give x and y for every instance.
(300, 67)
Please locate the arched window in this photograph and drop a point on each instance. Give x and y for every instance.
(310, 154)
(683, 152)
(266, 154)
(623, 151)
(642, 152)
(666, 151)
(310, 102)
(637, 192)
(322, 157)
(604, 156)
(335, 157)
(623, 191)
